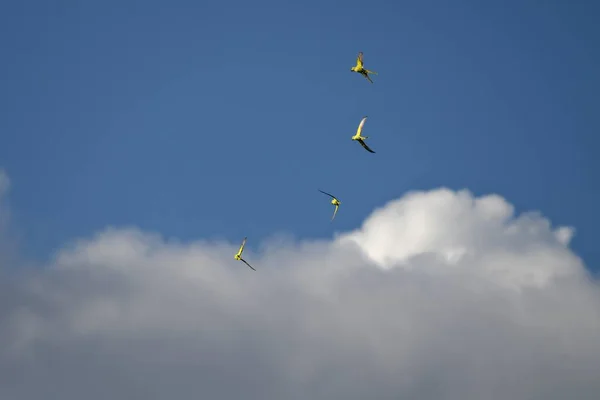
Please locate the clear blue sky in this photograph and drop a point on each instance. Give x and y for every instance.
(222, 119)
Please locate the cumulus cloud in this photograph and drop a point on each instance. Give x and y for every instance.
(439, 295)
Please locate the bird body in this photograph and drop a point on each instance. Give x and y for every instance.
(238, 256)
(334, 201)
(361, 139)
(359, 67)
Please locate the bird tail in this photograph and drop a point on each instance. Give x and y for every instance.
(246, 262)
(371, 72)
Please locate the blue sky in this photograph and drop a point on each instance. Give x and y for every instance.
(222, 119)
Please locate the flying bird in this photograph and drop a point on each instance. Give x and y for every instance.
(334, 201)
(360, 139)
(238, 256)
(359, 67)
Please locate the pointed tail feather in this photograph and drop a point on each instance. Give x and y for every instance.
(247, 264)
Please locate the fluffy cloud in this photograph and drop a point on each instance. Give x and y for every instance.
(439, 295)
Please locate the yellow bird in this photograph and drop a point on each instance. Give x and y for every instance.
(359, 67)
(360, 139)
(238, 256)
(334, 202)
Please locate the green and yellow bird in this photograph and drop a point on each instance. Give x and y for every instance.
(238, 256)
(359, 67)
(334, 201)
(360, 139)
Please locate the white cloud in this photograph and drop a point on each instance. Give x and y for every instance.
(439, 295)
(479, 234)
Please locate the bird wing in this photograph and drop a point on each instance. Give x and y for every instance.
(242, 246)
(247, 264)
(360, 126)
(363, 144)
(359, 59)
(330, 195)
(335, 211)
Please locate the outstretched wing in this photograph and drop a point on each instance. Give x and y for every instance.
(363, 144)
(242, 246)
(247, 264)
(335, 212)
(330, 195)
(359, 59)
(360, 126)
